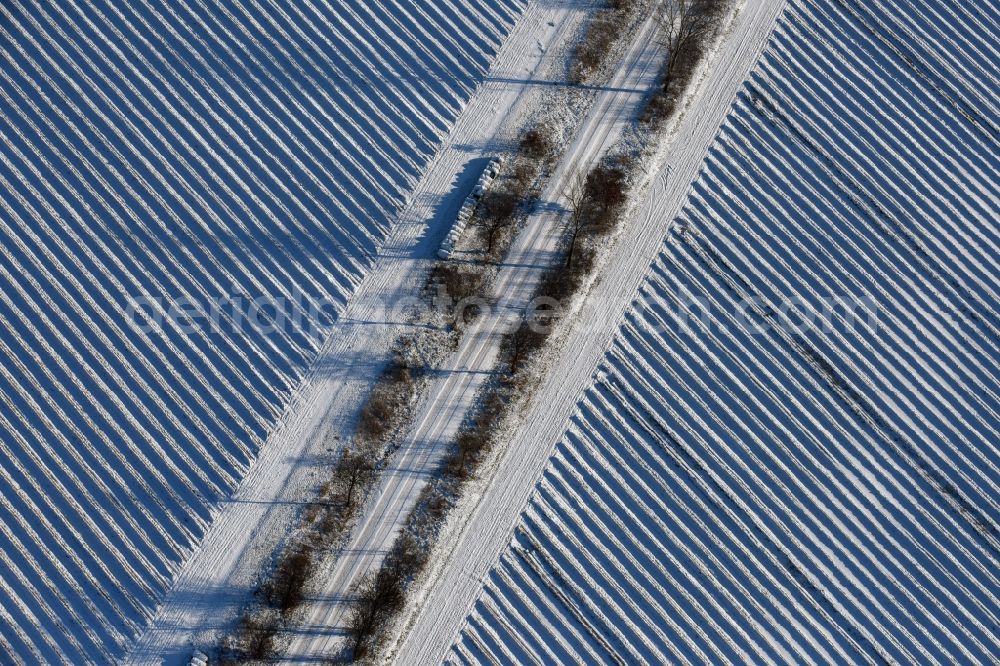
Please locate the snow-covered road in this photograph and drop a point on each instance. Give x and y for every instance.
(482, 526)
(450, 398)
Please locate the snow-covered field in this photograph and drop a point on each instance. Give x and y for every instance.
(184, 151)
(738, 486)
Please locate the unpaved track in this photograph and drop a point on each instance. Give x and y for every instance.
(439, 416)
(485, 525)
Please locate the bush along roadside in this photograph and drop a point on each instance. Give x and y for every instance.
(379, 594)
(597, 204)
(686, 28)
(256, 635)
(604, 29)
(468, 275)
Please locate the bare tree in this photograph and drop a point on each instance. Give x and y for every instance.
(286, 589)
(254, 640)
(523, 341)
(499, 208)
(579, 213)
(380, 595)
(356, 469)
(683, 24)
(665, 13)
(470, 444)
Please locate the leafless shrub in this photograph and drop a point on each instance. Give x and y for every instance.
(436, 505)
(458, 281)
(254, 640)
(376, 416)
(490, 413)
(524, 341)
(594, 203)
(409, 354)
(606, 189)
(685, 27)
(580, 215)
(407, 557)
(285, 590)
(536, 144)
(522, 176)
(355, 471)
(468, 445)
(379, 597)
(604, 28)
(497, 212)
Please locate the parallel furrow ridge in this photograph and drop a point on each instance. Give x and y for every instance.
(791, 451)
(192, 152)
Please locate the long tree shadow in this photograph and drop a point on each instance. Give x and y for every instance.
(563, 84)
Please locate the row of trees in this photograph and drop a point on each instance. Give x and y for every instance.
(685, 27)
(277, 598)
(595, 204)
(380, 594)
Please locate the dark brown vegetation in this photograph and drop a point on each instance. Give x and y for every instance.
(252, 641)
(385, 407)
(594, 203)
(458, 281)
(255, 636)
(526, 339)
(380, 595)
(511, 194)
(536, 144)
(355, 472)
(604, 29)
(497, 212)
(456, 287)
(286, 588)
(685, 28)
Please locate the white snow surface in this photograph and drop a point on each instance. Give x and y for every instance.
(734, 486)
(191, 149)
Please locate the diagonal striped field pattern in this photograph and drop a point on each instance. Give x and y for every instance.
(739, 487)
(190, 149)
